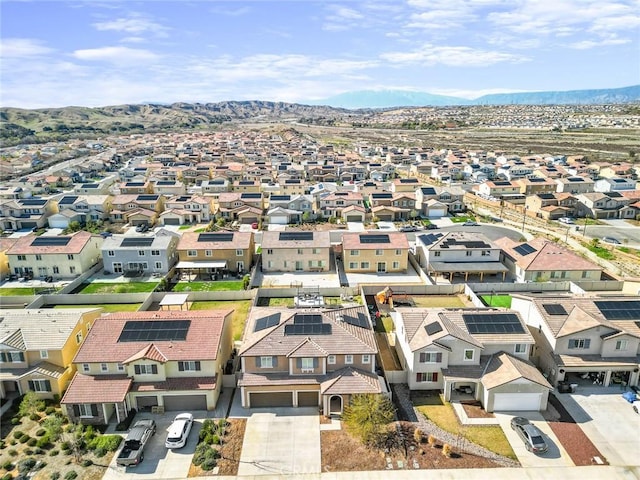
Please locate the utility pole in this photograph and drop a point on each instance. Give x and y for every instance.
(524, 217)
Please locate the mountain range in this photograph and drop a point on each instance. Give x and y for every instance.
(407, 98)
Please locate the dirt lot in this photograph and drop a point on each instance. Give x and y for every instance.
(474, 410)
(407, 454)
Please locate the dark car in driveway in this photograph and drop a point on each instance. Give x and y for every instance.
(432, 226)
(530, 435)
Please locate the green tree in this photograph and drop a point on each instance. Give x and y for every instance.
(30, 404)
(367, 417)
(53, 424)
(306, 217)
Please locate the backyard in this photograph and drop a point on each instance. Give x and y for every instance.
(209, 286)
(107, 307)
(502, 301)
(240, 312)
(440, 301)
(129, 287)
(27, 291)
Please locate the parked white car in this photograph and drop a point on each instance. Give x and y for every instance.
(178, 431)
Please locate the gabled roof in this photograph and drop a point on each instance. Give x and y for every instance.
(350, 381)
(97, 389)
(504, 368)
(150, 352)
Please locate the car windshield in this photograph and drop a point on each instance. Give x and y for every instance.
(537, 440)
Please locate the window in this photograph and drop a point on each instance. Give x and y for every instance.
(269, 251)
(44, 354)
(239, 253)
(158, 265)
(38, 257)
(582, 343)
(468, 355)
(348, 359)
(12, 357)
(87, 410)
(398, 252)
(70, 257)
(364, 265)
(79, 338)
(436, 253)
(72, 269)
(56, 270)
(366, 358)
(104, 367)
(379, 252)
(469, 253)
(426, 377)
(396, 265)
(521, 348)
(192, 253)
(22, 257)
(353, 265)
(315, 251)
(111, 253)
(141, 253)
(40, 385)
(485, 253)
(306, 365)
(189, 366)
(585, 274)
(155, 253)
(266, 362)
(146, 369)
(208, 253)
(331, 359)
(354, 253)
(120, 367)
(621, 345)
(430, 357)
(86, 368)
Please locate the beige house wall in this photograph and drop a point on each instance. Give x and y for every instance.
(388, 255)
(284, 259)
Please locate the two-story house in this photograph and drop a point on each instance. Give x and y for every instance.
(296, 252)
(308, 358)
(168, 359)
(137, 209)
(80, 208)
(333, 204)
(387, 206)
(183, 209)
(139, 255)
(25, 213)
(37, 348)
(586, 341)
(375, 252)
(604, 205)
(61, 257)
(575, 184)
(244, 207)
(215, 252)
(484, 351)
(286, 209)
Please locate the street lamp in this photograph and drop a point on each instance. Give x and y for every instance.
(586, 219)
(524, 217)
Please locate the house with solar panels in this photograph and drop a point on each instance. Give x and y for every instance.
(137, 209)
(244, 207)
(300, 358)
(139, 255)
(541, 260)
(210, 254)
(375, 252)
(181, 209)
(61, 257)
(80, 208)
(296, 252)
(166, 360)
(585, 341)
(479, 352)
(25, 213)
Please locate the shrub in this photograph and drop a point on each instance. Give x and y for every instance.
(38, 451)
(40, 432)
(53, 453)
(41, 407)
(200, 454)
(100, 452)
(12, 452)
(124, 425)
(15, 421)
(18, 434)
(49, 411)
(417, 435)
(7, 476)
(431, 440)
(87, 463)
(109, 443)
(41, 465)
(446, 450)
(209, 464)
(24, 439)
(215, 439)
(26, 465)
(32, 442)
(43, 442)
(2, 444)
(54, 476)
(28, 451)
(71, 475)
(8, 466)
(35, 417)
(65, 446)
(12, 442)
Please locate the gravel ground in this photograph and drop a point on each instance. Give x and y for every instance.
(406, 411)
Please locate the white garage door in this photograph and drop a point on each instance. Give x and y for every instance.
(517, 402)
(279, 219)
(437, 213)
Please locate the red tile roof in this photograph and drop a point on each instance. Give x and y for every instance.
(173, 384)
(97, 389)
(76, 244)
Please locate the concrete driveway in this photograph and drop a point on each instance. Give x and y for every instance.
(160, 462)
(556, 456)
(609, 421)
(281, 441)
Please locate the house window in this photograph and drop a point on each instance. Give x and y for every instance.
(70, 257)
(146, 369)
(208, 253)
(12, 357)
(353, 265)
(155, 253)
(79, 338)
(621, 345)
(315, 251)
(141, 253)
(120, 367)
(22, 257)
(366, 358)
(111, 253)
(266, 362)
(87, 410)
(306, 365)
(40, 385)
(364, 265)
(44, 353)
(436, 254)
(430, 357)
(468, 355)
(192, 253)
(331, 359)
(398, 252)
(348, 359)
(158, 265)
(521, 348)
(585, 274)
(396, 265)
(56, 270)
(485, 253)
(239, 253)
(72, 269)
(86, 368)
(469, 253)
(379, 252)
(582, 343)
(38, 257)
(269, 251)
(426, 377)
(354, 253)
(189, 366)
(104, 367)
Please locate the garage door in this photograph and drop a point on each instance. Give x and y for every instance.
(354, 218)
(29, 225)
(146, 402)
(437, 213)
(279, 219)
(308, 399)
(275, 399)
(185, 402)
(172, 221)
(248, 220)
(385, 218)
(517, 402)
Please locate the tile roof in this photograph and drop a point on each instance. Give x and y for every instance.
(189, 241)
(350, 381)
(263, 379)
(504, 368)
(149, 352)
(351, 241)
(176, 383)
(202, 342)
(47, 369)
(77, 243)
(272, 240)
(97, 389)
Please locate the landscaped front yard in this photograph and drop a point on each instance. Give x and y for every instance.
(208, 286)
(240, 312)
(441, 413)
(129, 287)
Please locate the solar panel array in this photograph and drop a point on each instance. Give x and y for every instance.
(381, 195)
(375, 238)
(430, 238)
(492, 323)
(267, 322)
(295, 236)
(134, 184)
(360, 320)
(147, 198)
(536, 180)
(137, 242)
(307, 318)
(165, 182)
(524, 249)
(68, 200)
(280, 198)
(453, 242)
(502, 183)
(619, 309)
(308, 329)
(50, 241)
(33, 202)
(250, 196)
(575, 179)
(428, 191)
(554, 309)
(215, 237)
(154, 330)
(433, 328)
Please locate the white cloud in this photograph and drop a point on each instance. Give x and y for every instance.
(22, 47)
(469, 94)
(588, 44)
(451, 56)
(135, 24)
(231, 12)
(118, 55)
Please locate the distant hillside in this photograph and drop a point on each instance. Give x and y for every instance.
(404, 98)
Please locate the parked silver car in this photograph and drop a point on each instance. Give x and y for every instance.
(530, 435)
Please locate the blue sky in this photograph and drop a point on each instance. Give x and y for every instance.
(105, 52)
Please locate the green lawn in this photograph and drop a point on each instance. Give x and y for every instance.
(281, 302)
(241, 311)
(130, 287)
(601, 251)
(462, 219)
(10, 291)
(438, 301)
(107, 307)
(208, 286)
(503, 301)
(385, 324)
(441, 413)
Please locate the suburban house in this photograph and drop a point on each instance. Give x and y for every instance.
(62, 257)
(586, 341)
(286, 209)
(551, 206)
(459, 254)
(541, 260)
(25, 213)
(375, 252)
(405, 184)
(331, 205)
(387, 206)
(5, 244)
(296, 252)
(172, 360)
(136, 188)
(214, 253)
(574, 185)
(169, 187)
(243, 207)
(484, 351)
(306, 358)
(138, 255)
(80, 208)
(137, 209)
(183, 209)
(604, 205)
(37, 348)
(536, 185)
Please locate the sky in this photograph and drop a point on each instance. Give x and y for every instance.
(107, 52)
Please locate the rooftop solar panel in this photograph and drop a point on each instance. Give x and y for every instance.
(575, 179)
(137, 242)
(359, 320)
(502, 183)
(433, 328)
(267, 322)
(295, 236)
(381, 195)
(155, 330)
(68, 200)
(524, 249)
(32, 202)
(383, 238)
(165, 182)
(492, 322)
(429, 238)
(554, 309)
(50, 241)
(280, 198)
(251, 196)
(134, 184)
(147, 198)
(308, 329)
(305, 318)
(215, 237)
(619, 309)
